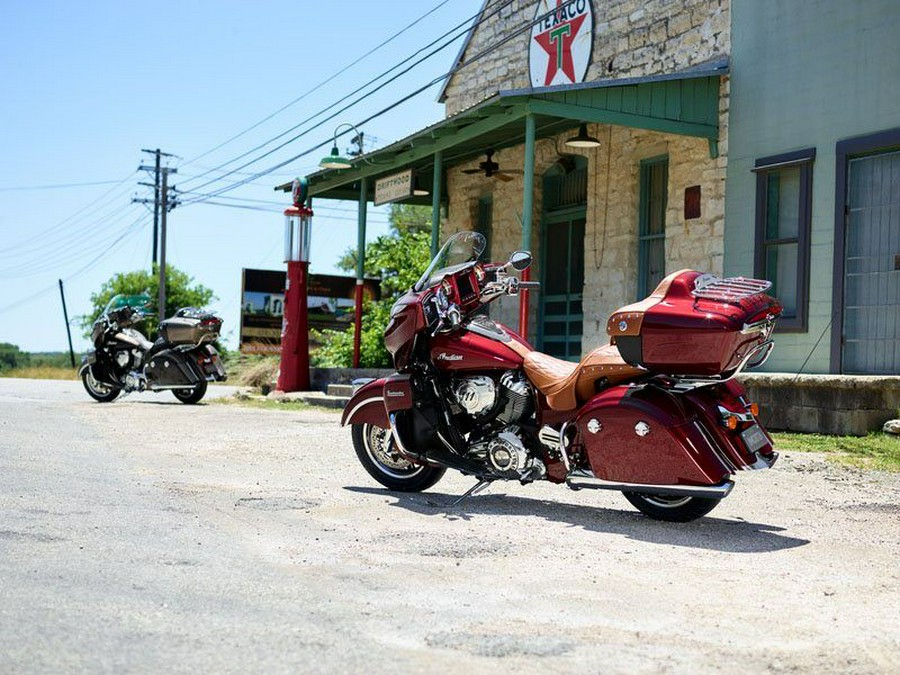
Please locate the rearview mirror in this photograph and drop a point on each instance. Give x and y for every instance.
(520, 260)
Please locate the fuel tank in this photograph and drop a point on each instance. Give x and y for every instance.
(464, 350)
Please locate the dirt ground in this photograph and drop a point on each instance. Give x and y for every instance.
(146, 535)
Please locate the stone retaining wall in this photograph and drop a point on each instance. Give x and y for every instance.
(825, 404)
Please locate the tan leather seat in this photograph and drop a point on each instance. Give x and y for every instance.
(568, 385)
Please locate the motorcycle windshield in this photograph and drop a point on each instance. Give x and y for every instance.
(133, 301)
(460, 249)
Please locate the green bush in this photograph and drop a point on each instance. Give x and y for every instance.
(399, 258)
(12, 357)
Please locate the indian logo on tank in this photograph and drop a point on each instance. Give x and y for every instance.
(561, 41)
(444, 356)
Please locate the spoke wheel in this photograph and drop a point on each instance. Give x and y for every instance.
(671, 509)
(97, 390)
(378, 453)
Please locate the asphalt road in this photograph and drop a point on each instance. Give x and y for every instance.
(149, 536)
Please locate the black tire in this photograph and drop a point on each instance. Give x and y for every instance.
(191, 396)
(671, 509)
(98, 391)
(376, 452)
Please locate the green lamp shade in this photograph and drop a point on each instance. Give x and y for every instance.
(335, 161)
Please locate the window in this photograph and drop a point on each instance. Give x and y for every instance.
(783, 214)
(652, 224)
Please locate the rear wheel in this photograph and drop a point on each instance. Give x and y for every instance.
(671, 509)
(98, 390)
(377, 452)
(191, 396)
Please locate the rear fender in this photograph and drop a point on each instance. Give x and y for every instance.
(367, 406)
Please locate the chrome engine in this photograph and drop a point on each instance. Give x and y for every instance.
(507, 401)
(499, 406)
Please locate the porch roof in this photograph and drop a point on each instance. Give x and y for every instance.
(685, 103)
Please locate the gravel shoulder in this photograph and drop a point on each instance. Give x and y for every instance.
(145, 535)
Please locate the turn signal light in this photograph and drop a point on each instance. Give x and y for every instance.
(731, 422)
(754, 409)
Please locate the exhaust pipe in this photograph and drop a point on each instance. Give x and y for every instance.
(580, 479)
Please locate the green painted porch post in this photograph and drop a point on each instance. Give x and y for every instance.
(436, 203)
(527, 208)
(360, 268)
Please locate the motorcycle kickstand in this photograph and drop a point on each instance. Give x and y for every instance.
(482, 484)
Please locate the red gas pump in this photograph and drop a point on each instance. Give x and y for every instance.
(294, 372)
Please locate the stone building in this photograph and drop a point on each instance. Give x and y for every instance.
(644, 84)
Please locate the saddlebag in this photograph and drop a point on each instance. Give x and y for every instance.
(696, 325)
(170, 369)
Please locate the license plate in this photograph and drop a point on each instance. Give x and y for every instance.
(754, 438)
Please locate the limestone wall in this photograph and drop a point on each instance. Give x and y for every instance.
(611, 244)
(632, 38)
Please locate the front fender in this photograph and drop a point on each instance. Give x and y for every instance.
(367, 405)
(86, 362)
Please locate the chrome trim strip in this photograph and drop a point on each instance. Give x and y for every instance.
(562, 445)
(584, 479)
(364, 402)
(717, 451)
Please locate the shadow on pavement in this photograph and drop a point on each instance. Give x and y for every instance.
(719, 534)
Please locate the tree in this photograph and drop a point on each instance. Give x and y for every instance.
(181, 291)
(399, 258)
(12, 357)
(402, 218)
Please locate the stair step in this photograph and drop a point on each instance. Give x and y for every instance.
(314, 398)
(340, 390)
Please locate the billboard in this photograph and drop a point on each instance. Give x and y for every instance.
(329, 301)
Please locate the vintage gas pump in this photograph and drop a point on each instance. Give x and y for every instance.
(294, 372)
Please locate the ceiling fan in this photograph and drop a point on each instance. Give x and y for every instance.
(491, 169)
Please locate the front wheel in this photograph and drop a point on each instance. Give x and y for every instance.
(97, 389)
(671, 509)
(191, 396)
(378, 454)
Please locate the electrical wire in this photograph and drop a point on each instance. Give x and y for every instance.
(53, 228)
(56, 186)
(321, 84)
(137, 227)
(450, 41)
(524, 27)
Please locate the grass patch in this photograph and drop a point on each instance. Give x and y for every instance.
(265, 403)
(876, 451)
(42, 373)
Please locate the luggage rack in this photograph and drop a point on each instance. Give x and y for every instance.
(711, 287)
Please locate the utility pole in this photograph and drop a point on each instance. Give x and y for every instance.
(157, 197)
(62, 294)
(165, 207)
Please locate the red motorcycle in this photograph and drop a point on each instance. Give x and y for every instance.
(655, 414)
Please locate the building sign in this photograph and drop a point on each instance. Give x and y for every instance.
(394, 188)
(329, 301)
(560, 47)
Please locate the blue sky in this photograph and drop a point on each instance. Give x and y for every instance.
(86, 85)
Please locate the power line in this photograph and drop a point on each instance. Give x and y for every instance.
(57, 186)
(524, 27)
(89, 265)
(321, 84)
(53, 228)
(344, 98)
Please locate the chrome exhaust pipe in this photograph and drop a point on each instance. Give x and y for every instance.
(580, 479)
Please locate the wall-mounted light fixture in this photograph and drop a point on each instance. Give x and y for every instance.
(334, 160)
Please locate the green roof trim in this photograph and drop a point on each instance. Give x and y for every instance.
(684, 103)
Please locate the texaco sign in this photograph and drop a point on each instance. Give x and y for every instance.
(561, 40)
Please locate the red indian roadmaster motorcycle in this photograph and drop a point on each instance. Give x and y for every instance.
(655, 414)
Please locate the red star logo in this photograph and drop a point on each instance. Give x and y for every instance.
(557, 42)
